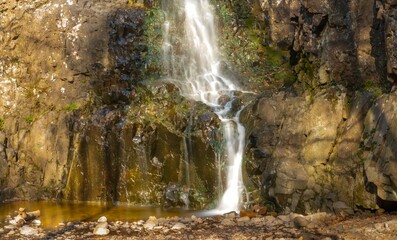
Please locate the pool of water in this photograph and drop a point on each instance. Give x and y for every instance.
(52, 213)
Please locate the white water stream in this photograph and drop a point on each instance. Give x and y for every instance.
(195, 69)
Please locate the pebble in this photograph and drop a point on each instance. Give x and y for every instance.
(101, 231)
(2, 230)
(26, 230)
(243, 219)
(10, 227)
(284, 218)
(230, 215)
(102, 219)
(178, 226)
(36, 222)
(227, 222)
(150, 223)
(300, 222)
(269, 219)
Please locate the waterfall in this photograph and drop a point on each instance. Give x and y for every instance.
(192, 63)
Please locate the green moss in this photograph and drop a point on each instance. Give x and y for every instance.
(154, 20)
(29, 119)
(373, 88)
(135, 4)
(2, 123)
(72, 106)
(241, 41)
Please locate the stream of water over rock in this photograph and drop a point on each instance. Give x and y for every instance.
(192, 63)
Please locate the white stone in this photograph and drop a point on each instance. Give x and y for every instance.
(101, 231)
(178, 226)
(10, 227)
(102, 219)
(151, 223)
(36, 222)
(26, 230)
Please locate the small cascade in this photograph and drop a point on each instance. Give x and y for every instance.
(192, 63)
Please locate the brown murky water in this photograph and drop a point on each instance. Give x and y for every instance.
(53, 213)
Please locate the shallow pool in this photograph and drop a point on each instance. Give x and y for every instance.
(52, 213)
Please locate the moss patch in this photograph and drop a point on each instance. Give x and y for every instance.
(241, 40)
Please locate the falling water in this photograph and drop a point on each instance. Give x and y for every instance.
(192, 63)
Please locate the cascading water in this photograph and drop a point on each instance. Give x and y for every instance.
(192, 63)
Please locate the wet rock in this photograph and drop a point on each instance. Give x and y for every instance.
(247, 214)
(260, 210)
(230, 215)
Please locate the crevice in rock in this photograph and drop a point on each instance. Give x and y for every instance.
(317, 30)
(388, 206)
(378, 44)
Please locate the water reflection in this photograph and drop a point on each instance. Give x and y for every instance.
(53, 213)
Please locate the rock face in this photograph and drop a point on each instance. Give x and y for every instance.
(81, 118)
(325, 145)
(349, 43)
(331, 152)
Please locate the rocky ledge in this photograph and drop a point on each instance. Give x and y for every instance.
(229, 226)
